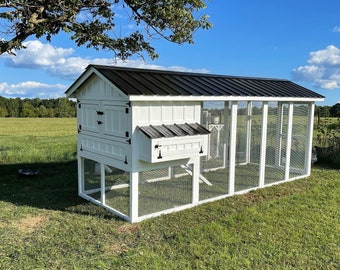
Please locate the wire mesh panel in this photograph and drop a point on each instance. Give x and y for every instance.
(249, 142)
(299, 139)
(242, 132)
(217, 184)
(213, 119)
(163, 189)
(274, 172)
(214, 167)
(256, 131)
(91, 181)
(117, 189)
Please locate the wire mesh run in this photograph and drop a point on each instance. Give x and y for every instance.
(163, 189)
(276, 143)
(299, 141)
(91, 181)
(117, 189)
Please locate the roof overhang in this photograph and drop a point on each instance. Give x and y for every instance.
(223, 98)
(72, 91)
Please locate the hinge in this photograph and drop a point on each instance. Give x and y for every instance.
(79, 105)
(99, 122)
(81, 147)
(128, 103)
(99, 112)
(127, 134)
(128, 141)
(201, 151)
(126, 162)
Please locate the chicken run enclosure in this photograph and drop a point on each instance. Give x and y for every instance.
(152, 142)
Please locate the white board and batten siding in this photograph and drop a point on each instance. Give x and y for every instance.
(145, 113)
(104, 123)
(165, 112)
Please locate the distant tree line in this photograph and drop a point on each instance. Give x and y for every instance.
(36, 107)
(328, 111)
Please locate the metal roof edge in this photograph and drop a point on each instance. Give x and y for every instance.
(221, 98)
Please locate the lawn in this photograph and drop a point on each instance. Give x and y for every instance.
(45, 225)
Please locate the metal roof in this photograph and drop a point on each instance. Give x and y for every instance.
(175, 130)
(148, 82)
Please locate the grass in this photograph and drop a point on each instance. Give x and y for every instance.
(45, 225)
(34, 140)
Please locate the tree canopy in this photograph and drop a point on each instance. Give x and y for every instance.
(92, 23)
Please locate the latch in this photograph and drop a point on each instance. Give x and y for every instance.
(99, 122)
(159, 155)
(99, 112)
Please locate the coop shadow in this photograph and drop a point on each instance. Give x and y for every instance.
(54, 188)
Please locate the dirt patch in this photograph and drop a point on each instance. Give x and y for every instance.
(29, 224)
(128, 229)
(116, 249)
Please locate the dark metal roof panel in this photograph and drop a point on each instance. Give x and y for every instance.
(175, 130)
(147, 82)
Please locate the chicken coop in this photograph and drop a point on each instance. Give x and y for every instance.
(152, 142)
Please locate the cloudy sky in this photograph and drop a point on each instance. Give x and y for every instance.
(288, 39)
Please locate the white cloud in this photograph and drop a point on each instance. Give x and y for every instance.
(336, 29)
(329, 57)
(323, 70)
(38, 54)
(32, 89)
(59, 62)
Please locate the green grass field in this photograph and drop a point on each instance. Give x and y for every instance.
(45, 225)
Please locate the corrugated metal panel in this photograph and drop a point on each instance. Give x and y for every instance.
(175, 130)
(149, 82)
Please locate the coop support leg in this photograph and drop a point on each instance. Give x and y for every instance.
(195, 181)
(102, 183)
(134, 179)
(81, 176)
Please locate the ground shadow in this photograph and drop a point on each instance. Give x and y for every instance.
(54, 188)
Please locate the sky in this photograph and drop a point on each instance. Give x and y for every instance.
(298, 40)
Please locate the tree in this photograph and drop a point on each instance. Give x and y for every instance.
(27, 109)
(91, 23)
(335, 110)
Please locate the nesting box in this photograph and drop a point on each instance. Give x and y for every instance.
(151, 142)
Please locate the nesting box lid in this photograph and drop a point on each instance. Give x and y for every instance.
(175, 130)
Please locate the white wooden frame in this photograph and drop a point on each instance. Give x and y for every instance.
(229, 146)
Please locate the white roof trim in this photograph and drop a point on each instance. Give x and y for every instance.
(222, 98)
(71, 91)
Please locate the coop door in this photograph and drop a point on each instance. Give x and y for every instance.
(109, 118)
(88, 119)
(116, 119)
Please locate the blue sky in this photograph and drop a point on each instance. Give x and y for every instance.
(288, 39)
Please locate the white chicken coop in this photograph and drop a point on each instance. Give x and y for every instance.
(151, 142)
